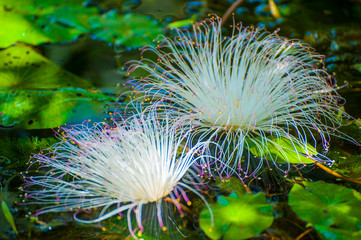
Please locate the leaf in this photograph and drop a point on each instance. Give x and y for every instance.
(241, 215)
(332, 209)
(232, 185)
(22, 67)
(31, 109)
(130, 30)
(357, 66)
(36, 93)
(35, 22)
(183, 23)
(347, 166)
(8, 216)
(18, 150)
(282, 150)
(332, 233)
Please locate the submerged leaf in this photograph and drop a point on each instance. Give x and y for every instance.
(18, 150)
(130, 30)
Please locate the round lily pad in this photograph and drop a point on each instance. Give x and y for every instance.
(335, 211)
(238, 216)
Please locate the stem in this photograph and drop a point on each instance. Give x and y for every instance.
(230, 11)
(304, 233)
(326, 169)
(184, 208)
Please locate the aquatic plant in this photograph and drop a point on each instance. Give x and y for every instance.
(124, 166)
(253, 93)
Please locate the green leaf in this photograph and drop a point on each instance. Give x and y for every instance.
(182, 23)
(22, 67)
(130, 30)
(347, 166)
(282, 150)
(8, 216)
(241, 215)
(35, 22)
(18, 150)
(357, 66)
(331, 233)
(36, 93)
(31, 109)
(334, 210)
(55, 3)
(232, 184)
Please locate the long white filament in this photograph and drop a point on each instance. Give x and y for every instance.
(126, 165)
(250, 86)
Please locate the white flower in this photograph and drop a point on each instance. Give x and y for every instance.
(119, 168)
(253, 90)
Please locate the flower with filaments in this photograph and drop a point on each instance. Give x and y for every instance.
(249, 92)
(137, 162)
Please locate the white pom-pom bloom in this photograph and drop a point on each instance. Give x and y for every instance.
(117, 168)
(253, 90)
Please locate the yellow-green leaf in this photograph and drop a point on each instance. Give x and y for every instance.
(8, 216)
(23, 67)
(35, 22)
(282, 150)
(33, 109)
(242, 215)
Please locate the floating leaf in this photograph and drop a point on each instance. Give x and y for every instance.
(130, 30)
(182, 23)
(32, 109)
(36, 93)
(337, 234)
(22, 67)
(241, 215)
(34, 21)
(334, 210)
(283, 150)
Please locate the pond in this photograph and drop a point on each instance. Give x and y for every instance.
(212, 119)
